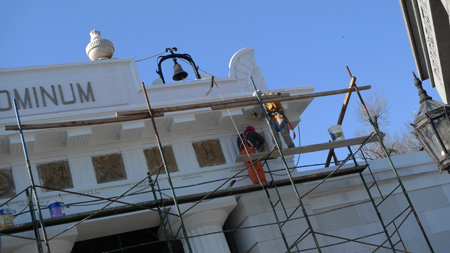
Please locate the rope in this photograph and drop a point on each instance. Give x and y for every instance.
(237, 131)
(299, 144)
(150, 57)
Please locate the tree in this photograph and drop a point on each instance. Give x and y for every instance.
(396, 142)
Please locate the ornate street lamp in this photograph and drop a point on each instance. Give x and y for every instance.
(432, 128)
(179, 73)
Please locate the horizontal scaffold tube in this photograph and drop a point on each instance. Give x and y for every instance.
(181, 200)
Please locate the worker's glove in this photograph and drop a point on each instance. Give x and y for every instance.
(254, 114)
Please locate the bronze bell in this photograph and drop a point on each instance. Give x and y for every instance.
(178, 72)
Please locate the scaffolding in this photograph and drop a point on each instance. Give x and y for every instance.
(162, 204)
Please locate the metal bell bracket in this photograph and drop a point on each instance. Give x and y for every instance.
(173, 55)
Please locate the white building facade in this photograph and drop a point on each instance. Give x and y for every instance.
(93, 164)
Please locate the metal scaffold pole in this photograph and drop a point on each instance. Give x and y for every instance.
(405, 193)
(33, 186)
(279, 201)
(163, 158)
(161, 218)
(35, 223)
(305, 214)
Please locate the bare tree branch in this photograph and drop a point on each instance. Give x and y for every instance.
(378, 107)
(396, 143)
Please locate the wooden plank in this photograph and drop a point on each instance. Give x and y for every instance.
(309, 148)
(241, 102)
(341, 118)
(296, 97)
(159, 112)
(81, 122)
(346, 100)
(247, 101)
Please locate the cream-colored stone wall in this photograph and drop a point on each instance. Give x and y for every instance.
(341, 208)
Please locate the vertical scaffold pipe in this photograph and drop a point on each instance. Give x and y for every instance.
(305, 214)
(376, 130)
(163, 158)
(35, 224)
(30, 174)
(150, 181)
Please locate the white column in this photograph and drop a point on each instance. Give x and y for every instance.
(207, 243)
(204, 224)
(61, 244)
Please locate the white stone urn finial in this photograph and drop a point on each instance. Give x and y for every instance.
(95, 35)
(99, 48)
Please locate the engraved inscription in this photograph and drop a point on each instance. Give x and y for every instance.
(4, 96)
(53, 98)
(74, 99)
(26, 101)
(87, 95)
(46, 96)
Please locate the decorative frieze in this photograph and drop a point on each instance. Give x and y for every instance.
(154, 161)
(430, 38)
(92, 192)
(7, 186)
(209, 153)
(288, 160)
(191, 176)
(109, 168)
(237, 168)
(55, 175)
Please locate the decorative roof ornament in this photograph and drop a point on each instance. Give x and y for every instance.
(99, 48)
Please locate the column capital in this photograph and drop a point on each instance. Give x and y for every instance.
(211, 212)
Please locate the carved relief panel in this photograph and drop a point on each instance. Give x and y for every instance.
(7, 187)
(109, 168)
(55, 175)
(209, 153)
(154, 161)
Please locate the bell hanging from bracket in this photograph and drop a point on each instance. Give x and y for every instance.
(178, 72)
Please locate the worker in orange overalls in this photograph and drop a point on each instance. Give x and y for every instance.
(278, 122)
(250, 142)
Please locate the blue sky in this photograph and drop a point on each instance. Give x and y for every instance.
(296, 43)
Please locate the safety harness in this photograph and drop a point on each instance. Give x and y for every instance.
(278, 114)
(246, 141)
